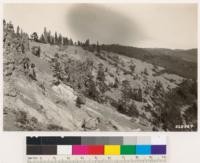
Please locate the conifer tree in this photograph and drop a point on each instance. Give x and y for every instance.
(4, 22)
(60, 39)
(34, 36)
(87, 42)
(45, 35)
(65, 41)
(42, 38)
(100, 74)
(49, 37)
(18, 31)
(56, 38)
(79, 43)
(71, 42)
(98, 47)
(21, 32)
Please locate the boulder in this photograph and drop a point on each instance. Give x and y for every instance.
(90, 124)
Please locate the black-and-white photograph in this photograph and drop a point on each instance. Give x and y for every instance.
(100, 67)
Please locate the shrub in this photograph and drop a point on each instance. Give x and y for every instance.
(132, 68)
(146, 72)
(127, 108)
(36, 51)
(170, 117)
(80, 100)
(158, 89)
(129, 93)
(116, 84)
(91, 90)
(100, 73)
(54, 127)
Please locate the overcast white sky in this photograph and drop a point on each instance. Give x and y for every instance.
(141, 25)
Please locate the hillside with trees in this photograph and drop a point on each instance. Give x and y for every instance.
(54, 83)
(180, 62)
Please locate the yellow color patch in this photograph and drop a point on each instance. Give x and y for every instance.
(111, 149)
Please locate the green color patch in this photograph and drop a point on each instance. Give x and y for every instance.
(127, 150)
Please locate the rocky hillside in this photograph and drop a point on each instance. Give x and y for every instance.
(71, 88)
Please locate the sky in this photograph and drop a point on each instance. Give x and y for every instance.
(141, 25)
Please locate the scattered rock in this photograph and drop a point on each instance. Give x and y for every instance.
(53, 127)
(91, 124)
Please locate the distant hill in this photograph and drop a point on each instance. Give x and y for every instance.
(180, 62)
(187, 55)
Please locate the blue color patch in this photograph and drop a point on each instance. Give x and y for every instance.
(143, 149)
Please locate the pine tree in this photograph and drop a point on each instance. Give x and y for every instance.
(132, 67)
(60, 39)
(139, 95)
(10, 27)
(79, 43)
(116, 84)
(100, 74)
(91, 90)
(49, 37)
(87, 42)
(126, 90)
(145, 71)
(34, 36)
(4, 22)
(52, 40)
(42, 38)
(65, 41)
(71, 42)
(4, 25)
(45, 35)
(98, 47)
(56, 38)
(18, 31)
(21, 32)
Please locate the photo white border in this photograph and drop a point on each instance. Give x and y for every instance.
(183, 147)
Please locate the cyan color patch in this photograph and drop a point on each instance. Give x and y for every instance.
(143, 149)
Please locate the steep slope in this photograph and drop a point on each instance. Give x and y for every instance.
(51, 87)
(54, 107)
(40, 105)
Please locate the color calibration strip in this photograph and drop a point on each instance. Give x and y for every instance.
(110, 146)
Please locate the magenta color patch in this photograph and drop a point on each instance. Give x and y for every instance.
(79, 149)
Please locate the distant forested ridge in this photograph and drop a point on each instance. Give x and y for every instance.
(180, 62)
